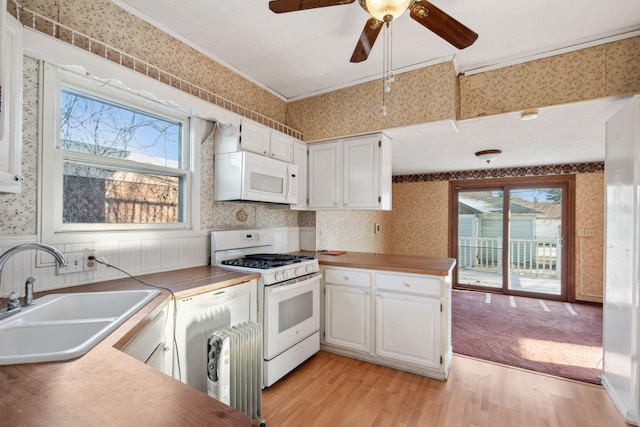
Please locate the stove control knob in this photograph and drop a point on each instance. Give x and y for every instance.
(279, 277)
(309, 269)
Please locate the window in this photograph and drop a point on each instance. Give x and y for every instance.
(117, 161)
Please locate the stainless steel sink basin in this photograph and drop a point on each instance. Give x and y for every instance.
(65, 326)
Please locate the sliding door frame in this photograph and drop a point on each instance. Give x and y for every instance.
(566, 182)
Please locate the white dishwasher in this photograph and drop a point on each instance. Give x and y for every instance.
(201, 315)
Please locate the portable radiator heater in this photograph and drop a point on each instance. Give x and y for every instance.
(234, 368)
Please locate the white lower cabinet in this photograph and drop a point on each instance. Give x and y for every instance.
(394, 319)
(348, 310)
(153, 344)
(407, 328)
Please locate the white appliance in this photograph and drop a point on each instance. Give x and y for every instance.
(246, 176)
(200, 316)
(288, 296)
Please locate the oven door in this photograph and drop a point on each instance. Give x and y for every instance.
(292, 313)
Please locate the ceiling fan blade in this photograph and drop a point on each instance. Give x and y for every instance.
(442, 24)
(282, 6)
(367, 39)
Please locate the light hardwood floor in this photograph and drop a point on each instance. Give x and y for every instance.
(332, 390)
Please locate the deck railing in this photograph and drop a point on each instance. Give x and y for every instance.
(533, 258)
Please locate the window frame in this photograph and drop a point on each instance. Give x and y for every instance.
(52, 157)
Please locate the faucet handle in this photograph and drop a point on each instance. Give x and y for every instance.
(14, 302)
(28, 292)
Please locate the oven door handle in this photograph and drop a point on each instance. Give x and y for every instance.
(283, 288)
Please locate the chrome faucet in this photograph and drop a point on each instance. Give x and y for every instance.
(62, 262)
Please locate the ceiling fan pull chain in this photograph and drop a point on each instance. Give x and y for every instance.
(385, 62)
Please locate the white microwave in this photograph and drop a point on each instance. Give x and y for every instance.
(246, 176)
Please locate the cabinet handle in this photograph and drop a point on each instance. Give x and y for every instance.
(346, 277)
(406, 284)
(19, 178)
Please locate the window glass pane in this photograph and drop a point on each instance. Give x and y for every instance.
(95, 126)
(100, 195)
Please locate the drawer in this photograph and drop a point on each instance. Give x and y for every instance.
(416, 284)
(340, 276)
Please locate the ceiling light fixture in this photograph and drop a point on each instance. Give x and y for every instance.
(529, 115)
(488, 155)
(386, 11)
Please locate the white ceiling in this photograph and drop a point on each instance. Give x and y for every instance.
(300, 54)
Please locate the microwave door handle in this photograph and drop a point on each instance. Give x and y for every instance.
(292, 183)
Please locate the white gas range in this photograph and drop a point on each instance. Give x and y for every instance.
(288, 296)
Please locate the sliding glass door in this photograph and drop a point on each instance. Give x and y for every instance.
(535, 241)
(509, 236)
(480, 228)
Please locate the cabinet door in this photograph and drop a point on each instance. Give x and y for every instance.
(408, 328)
(281, 147)
(324, 176)
(153, 344)
(300, 159)
(347, 317)
(254, 137)
(361, 172)
(11, 113)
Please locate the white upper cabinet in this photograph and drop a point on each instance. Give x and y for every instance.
(300, 159)
(325, 174)
(280, 146)
(256, 138)
(351, 173)
(10, 103)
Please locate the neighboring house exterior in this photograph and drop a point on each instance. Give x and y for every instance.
(533, 232)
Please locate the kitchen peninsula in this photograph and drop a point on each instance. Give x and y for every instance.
(393, 310)
(108, 387)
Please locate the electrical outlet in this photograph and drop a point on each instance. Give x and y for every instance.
(75, 263)
(586, 232)
(89, 264)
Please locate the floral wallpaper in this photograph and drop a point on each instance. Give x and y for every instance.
(419, 96)
(420, 218)
(249, 215)
(590, 211)
(353, 231)
(101, 27)
(611, 69)
(18, 211)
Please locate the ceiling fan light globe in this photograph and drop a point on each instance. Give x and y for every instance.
(382, 9)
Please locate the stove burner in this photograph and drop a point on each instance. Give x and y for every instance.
(265, 261)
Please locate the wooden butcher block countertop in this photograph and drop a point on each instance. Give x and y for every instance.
(106, 387)
(434, 266)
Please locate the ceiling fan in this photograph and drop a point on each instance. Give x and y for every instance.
(385, 11)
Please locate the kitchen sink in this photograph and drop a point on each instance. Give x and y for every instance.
(66, 326)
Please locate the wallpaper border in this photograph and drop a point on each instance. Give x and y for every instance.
(576, 168)
(35, 21)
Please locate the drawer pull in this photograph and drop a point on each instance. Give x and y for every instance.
(406, 284)
(346, 277)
